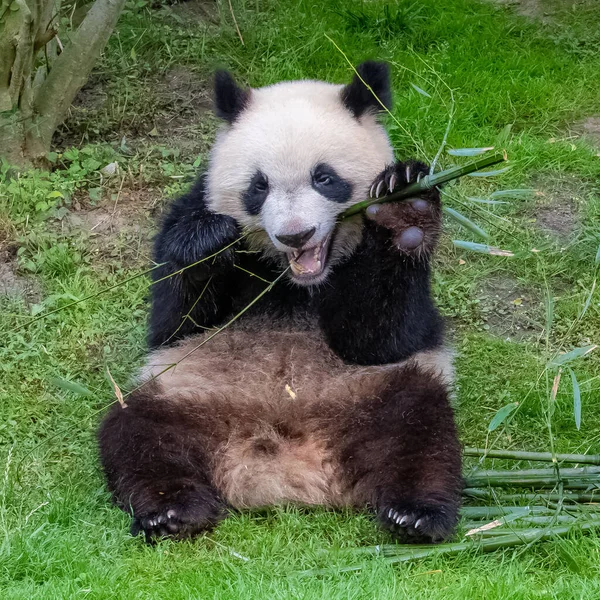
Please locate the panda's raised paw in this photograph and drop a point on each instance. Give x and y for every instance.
(397, 176)
(427, 523)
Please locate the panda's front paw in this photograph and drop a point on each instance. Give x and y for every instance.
(184, 517)
(419, 522)
(394, 177)
(416, 223)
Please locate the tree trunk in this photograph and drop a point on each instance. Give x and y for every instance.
(34, 101)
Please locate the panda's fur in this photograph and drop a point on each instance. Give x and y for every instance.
(332, 388)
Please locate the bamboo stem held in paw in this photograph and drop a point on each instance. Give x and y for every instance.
(429, 181)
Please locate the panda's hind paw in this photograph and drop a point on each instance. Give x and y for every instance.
(419, 522)
(178, 519)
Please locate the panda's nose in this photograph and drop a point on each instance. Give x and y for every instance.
(297, 240)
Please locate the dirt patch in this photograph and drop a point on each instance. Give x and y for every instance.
(509, 309)
(545, 11)
(194, 12)
(556, 209)
(590, 130)
(172, 110)
(12, 283)
(116, 228)
(533, 9)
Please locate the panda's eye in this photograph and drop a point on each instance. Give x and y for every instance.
(261, 186)
(323, 179)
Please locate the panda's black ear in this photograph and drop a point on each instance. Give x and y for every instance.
(230, 99)
(358, 98)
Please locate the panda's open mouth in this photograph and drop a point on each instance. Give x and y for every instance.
(308, 263)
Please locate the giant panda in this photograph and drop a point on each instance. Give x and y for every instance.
(331, 388)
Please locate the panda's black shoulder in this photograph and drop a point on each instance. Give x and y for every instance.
(189, 204)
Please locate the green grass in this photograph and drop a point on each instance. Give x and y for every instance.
(59, 535)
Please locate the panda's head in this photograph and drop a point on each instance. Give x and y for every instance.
(292, 157)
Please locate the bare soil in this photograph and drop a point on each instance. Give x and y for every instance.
(556, 210)
(510, 310)
(13, 283)
(545, 11)
(120, 228)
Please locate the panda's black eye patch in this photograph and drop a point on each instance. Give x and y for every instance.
(256, 194)
(328, 183)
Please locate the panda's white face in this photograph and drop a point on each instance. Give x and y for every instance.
(292, 161)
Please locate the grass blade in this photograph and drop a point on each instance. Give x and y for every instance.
(501, 416)
(576, 399)
(481, 248)
(549, 312)
(468, 151)
(597, 259)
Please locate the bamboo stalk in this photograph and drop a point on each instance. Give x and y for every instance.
(493, 512)
(587, 459)
(429, 181)
(577, 478)
(548, 497)
(396, 553)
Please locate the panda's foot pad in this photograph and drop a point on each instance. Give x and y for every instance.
(418, 522)
(416, 223)
(178, 519)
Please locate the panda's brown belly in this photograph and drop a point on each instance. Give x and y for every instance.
(268, 397)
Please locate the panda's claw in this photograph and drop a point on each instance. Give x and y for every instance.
(407, 173)
(392, 182)
(379, 188)
(372, 190)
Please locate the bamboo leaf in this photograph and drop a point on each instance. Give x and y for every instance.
(468, 151)
(519, 193)
(514, 516)
(588, 300)
(71, 386)
(421, 91)
(576, 399)
(484, 201)
(466, 222)
(489, 173)
(574, 354)
(483, 248)
(501, 416)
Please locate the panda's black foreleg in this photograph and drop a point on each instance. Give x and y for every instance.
(415, 224)
(186, 293)
(157, 468)
(401, 456)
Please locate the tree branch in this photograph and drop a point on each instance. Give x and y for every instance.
(15, 54)
(70, 72)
